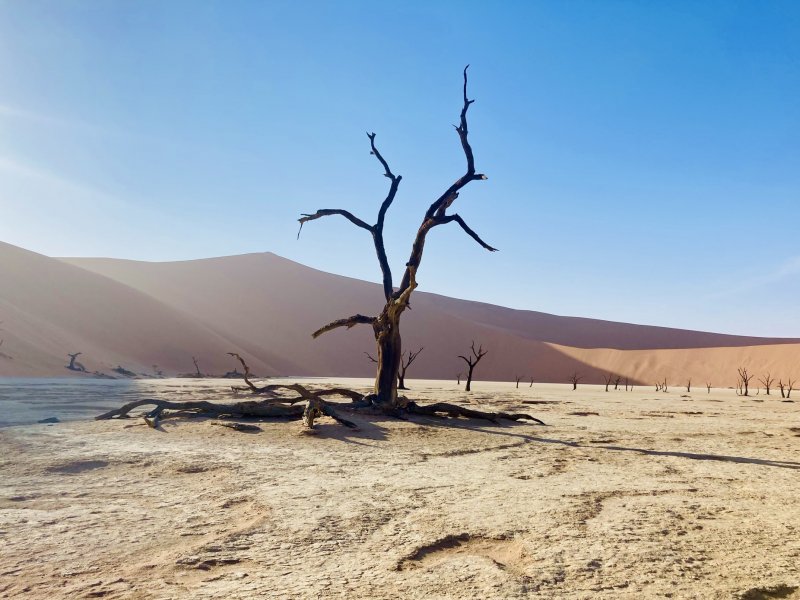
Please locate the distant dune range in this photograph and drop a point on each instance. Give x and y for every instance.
(139, 314)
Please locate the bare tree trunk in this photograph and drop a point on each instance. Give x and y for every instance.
(469, 379)
(390, 354)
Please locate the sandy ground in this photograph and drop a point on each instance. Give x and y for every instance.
(621, 495)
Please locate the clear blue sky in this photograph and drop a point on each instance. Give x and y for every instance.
(643, 157)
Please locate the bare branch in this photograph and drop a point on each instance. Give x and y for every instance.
(377, 230)
(439, 207)
(348, 322)
(450, 218)
(412, 356)
(370, 357)
(326, 212)
(448, 197)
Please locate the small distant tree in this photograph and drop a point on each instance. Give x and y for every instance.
(608, 378)
(196, 368)
(616, 382)
(708, 386)
(531, 385)
(472, 360)
(406, 359)
(458, 378)
(791, 387)
(574, 379)
(767, 381)
(518, 379)
(743, 384)
(75, 366)
(689, 386)
(626, 384)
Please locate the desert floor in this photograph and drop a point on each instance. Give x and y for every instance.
(622, 495)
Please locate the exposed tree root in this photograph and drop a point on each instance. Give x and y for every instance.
(307, 406)
(439, 409)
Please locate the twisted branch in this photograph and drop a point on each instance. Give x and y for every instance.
(348, 322)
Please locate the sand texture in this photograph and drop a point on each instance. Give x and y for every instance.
(622, 495)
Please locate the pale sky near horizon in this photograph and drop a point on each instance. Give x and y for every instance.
(643, 158)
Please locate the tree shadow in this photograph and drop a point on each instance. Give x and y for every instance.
(503, 429)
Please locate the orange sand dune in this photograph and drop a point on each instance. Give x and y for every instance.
(49, 308)
(275, 304)
(139, 314)
(716, 366)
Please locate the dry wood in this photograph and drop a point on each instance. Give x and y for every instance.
(472, 360)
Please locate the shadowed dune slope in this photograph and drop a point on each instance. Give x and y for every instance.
(271, 304)
(49, 308)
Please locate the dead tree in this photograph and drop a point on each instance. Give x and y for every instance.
(689, 386)
(75, 366)
(743, 385)
(626, 384)
(405, 362)
(790, 387)
(708, 387)
(616, 382)
(531, 385)
(472, 360)
(574, 379)
(458, 378)
(767, 381)
(608, 378)
(197, 372)
(664, 386)
(306, 405)
(518, 378)
(386, 324)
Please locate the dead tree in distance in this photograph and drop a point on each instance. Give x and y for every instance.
(574, 379)
(75, 366)
(518, 378)
(197, 372)
(616, 382)
(608, 378)
(472, 360)
(531, 385)
(743, 385)
(405, 362)
(708, 386)
(767, 380)
(689, 386)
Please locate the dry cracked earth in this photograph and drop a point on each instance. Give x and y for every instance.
(622, 495)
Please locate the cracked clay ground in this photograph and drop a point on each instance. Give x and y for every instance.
(621, 495)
